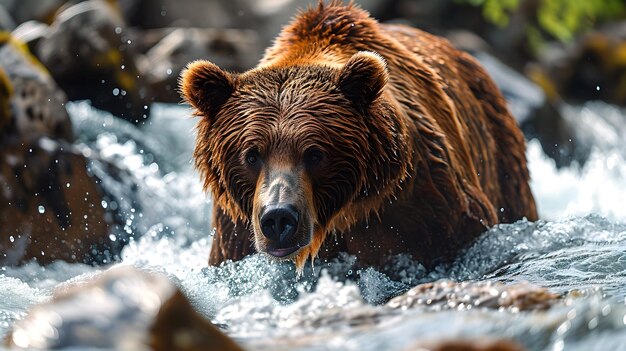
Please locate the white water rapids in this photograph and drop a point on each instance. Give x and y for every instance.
(580, 244)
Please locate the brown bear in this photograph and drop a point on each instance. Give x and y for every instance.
(350, 135)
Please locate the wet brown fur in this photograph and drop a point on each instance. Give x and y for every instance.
(428, 160)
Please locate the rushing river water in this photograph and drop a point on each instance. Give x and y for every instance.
(579, 245)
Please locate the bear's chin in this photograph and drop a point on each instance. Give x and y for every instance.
(299, 255)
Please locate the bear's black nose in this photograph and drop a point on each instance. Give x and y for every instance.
(279, 222)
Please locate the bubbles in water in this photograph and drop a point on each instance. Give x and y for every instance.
(41, 209)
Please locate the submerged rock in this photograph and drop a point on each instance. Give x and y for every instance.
(467, 345)
(444, 294)
(88, 54)
(123, 308)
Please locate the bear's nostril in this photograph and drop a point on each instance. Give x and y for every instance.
(279, 222)
(269, 226)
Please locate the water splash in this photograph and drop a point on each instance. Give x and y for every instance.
(151, 183)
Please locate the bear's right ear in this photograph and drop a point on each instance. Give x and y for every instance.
(206, 87)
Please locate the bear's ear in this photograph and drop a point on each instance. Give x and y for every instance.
(206, 87)
(363, 78)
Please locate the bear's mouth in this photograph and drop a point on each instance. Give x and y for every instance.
(283, 252)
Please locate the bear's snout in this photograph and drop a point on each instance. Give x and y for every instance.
(279, 224)
(280, 219)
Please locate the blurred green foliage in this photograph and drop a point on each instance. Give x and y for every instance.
(562, 19)
(495, 11)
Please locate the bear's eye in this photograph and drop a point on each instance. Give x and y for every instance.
(313, 157)
(252, 157)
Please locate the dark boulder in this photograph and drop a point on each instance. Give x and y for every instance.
(151, 14)
(235, 50)
(37, 105)
(591, 68)
(90, 57)
(50, 205)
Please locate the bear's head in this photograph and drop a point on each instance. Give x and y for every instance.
(298, 151)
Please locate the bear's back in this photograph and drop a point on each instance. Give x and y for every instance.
(473, 116)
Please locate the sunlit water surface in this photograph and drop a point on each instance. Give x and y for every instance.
(579, 245)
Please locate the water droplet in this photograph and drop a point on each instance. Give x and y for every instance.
(67, 185)
(129, 41)
(11, 238)
(168, 71)
(104, 204)
(41, 209)
(122, 66)
(118, 30)
(112, 237)
(597, 88)
(116, 92)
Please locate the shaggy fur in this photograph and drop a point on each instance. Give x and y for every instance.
(414, 149)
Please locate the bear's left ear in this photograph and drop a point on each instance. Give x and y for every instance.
(363, 78)
(206, 87)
